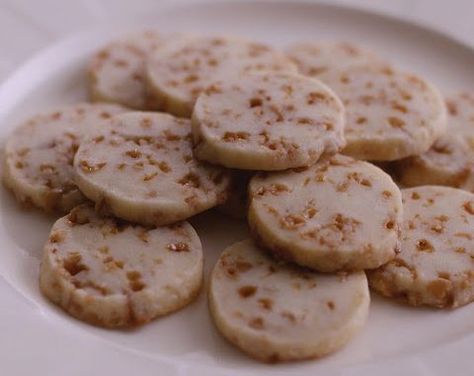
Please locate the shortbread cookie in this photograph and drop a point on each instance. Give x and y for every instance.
(267, 121)
(116, 73)
(436, 264)
(340, 214)
(110, 273)
(39, 155)
(177, 75)
(319, 59)
(389, 114)
(236, 205)
(277, 312)
(142, 169)
(450, 161)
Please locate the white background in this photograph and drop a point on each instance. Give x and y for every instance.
(26, 26)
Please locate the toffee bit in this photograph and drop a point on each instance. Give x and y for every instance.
(89, 168)
(178, 247)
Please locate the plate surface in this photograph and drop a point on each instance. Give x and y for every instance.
(397, 339)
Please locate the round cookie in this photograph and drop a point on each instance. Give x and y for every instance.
(436, 264)
(267, 121)
(116, 73)
(40, 152)
(113, 274)
(390, 114)
(279, 312)
(142, 169)
(177, 74)
(450, 161)
(340, 214)
(319, 59)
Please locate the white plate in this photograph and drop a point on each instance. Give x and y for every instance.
(397, 339)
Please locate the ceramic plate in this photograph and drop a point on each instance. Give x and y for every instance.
(397, 340)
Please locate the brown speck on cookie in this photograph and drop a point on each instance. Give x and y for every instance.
(266, 303)
(247, 291)
(396, 122)
(289, 316)
(235, 136)
(390, 224)
(178, 247)
(104, 249)
(89, 168)
(274, 189)
(243, 266)
(190, 180)
(256, 323)
(56, 237)
(291, 221)
(469, 207)
(135, 281)
(134, 153)
(255, 102)
(387, 194)
(149, 177)
(73, 265)
(415, 196)
(424, 245)
(75, 217)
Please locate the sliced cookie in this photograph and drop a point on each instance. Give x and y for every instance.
(116, 73)
(278, 312)
(177, 75)
(339, 214)
(236, 205)
(436, 264)
(39, 155)
(390, 114)
(111, 273)
(267, 121)
(319, 59)
(450, 161)
(142, 170)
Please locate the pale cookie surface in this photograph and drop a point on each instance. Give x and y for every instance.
(320, 59)
(436, 264)
(116, 73)
(110, 273)
(340, 214)
(267, 121)
(39, 155)
(278, 312)
(450, 161)
(177, 75)
(390, 115)
(142, 169)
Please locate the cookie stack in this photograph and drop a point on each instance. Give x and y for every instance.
(290, 141)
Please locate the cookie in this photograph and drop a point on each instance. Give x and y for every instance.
(39, 155)
(278, 312)
(111, 273)
(450, 161)
(339, 214)
(319, 59)
(436, 264)
(177, 75)
(142, 169)
(267, 121)
(236, 205)
(390, 114)
(116, 73)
